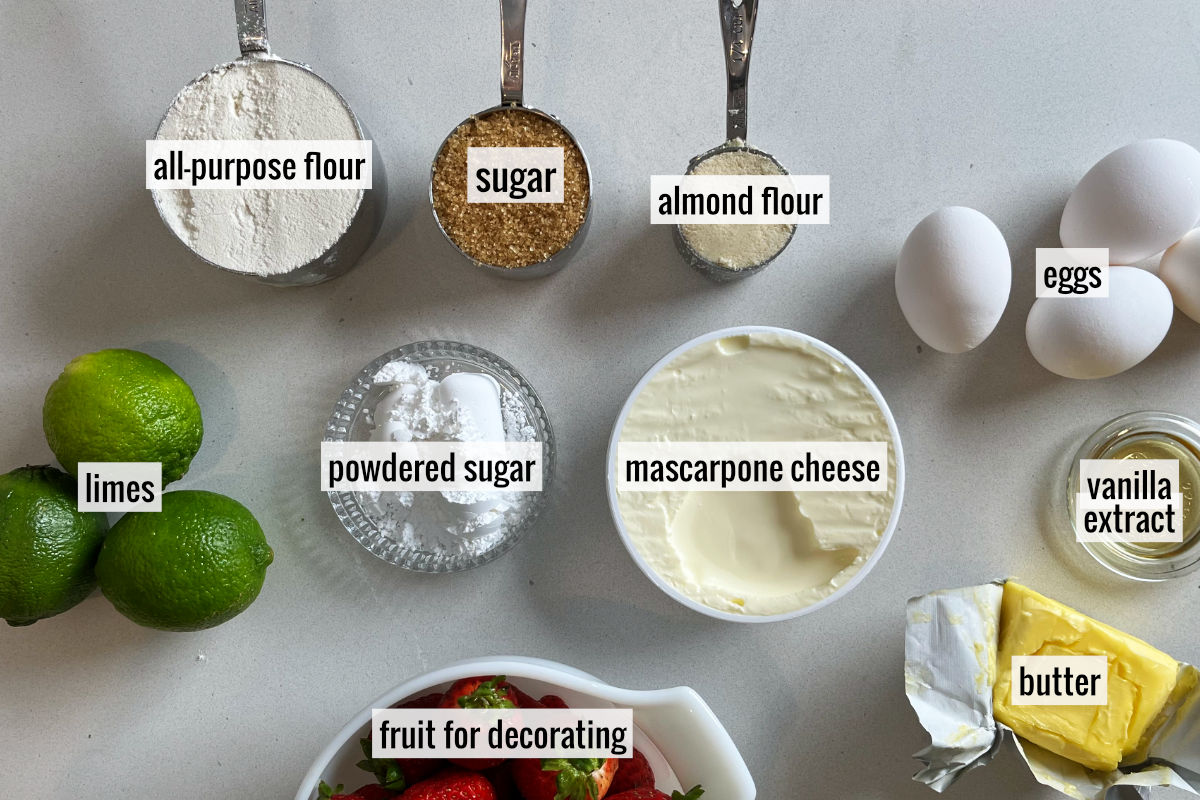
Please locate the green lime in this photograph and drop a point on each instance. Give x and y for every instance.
(197, 563)
(47, 548)
(122, 405)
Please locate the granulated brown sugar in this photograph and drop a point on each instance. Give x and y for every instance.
(509, 235)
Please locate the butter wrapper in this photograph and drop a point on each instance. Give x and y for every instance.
(950, 643)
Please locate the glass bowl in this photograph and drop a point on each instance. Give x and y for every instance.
(1140, 562)
(350, 421)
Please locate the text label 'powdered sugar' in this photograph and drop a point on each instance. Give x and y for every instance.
(258, 164)
(752, 466)
(739, 199)
(514, 174)
(431, 466)
(506, 733)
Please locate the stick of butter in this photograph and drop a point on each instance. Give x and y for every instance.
(1140, 681)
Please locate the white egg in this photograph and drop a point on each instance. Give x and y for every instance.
(953, 278)
(1180, 271)
(1136, 201)
(1095, 337)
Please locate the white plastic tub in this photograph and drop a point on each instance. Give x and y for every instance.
(674, 593)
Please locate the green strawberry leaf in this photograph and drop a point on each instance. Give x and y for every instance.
(324, 792)
(692, 794)
(489, 694)
(574, 780)
(394, 779)
(387, 771)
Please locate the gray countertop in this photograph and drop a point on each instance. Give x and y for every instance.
(907, 105)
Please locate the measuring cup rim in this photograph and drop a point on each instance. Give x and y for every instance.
(734, 146)
(254, 57)
(587, 213)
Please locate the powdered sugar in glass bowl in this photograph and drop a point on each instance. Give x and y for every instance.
(423, 531)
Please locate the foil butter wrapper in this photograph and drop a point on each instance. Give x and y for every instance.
(950, 644)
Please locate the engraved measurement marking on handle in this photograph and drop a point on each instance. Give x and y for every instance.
(252, 26)
(737, 48)
(738, 96)
(512, 61)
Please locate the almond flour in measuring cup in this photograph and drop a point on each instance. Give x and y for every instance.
(737, 247)
(258, 231)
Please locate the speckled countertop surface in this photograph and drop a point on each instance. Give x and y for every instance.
(907, 105)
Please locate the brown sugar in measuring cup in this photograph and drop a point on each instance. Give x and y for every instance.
(512, 240)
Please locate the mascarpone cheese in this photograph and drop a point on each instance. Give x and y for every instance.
(757, 553)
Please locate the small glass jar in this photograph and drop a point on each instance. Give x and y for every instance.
(1170, 435)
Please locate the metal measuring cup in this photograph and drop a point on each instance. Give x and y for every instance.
(341, 257)
(737, 32)
(512, 95)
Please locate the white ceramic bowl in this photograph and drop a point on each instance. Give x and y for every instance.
(611, 463)
(676, 731)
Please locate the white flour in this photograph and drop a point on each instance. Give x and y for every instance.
(462, 407)
(260, 231)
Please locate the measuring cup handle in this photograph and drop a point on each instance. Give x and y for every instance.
(252, 26)
(737, 31)
(512, 56)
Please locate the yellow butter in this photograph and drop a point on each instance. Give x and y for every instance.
(1140, 680)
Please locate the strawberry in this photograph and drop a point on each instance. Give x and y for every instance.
(493, 692)
(371, 791)
(411, 770)
(563, 778)
(477, 764)
(554, 701)
(396, 774)
(632, 773)
(526, 701)
(650, 793)
(480, 692)
(424, 701)
(502, 781)
(452, 785)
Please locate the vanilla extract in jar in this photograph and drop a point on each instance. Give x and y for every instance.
(1147, 435)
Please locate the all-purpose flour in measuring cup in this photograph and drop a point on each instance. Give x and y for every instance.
(282, 236)
(259, 231)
